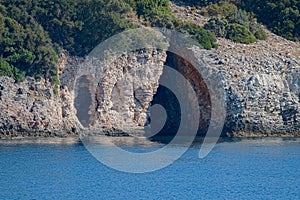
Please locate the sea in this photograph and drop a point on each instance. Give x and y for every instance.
(265, 168)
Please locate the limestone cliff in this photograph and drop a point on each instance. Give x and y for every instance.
(121, 91)
(261, 82)
(119, 96)
(262, 86)
(31, 108)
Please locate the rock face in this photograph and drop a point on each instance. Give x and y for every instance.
(120, 94)
(127, 90)
(262, 86)
(31, 109)
(123, 89)
(261, 82)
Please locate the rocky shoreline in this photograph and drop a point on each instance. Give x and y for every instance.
(132, 140)
(117, 133)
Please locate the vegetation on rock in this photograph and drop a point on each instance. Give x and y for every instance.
(240, 34)
(33, 33)
(280, 16)
(159, 14)
(233, 23)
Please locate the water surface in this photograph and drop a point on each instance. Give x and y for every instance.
(250, 169)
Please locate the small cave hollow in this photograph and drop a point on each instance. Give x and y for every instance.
(83, 100)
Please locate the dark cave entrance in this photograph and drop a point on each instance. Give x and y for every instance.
(168, 100)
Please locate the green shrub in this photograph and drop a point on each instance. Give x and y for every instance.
(218, 26)
(163, 21)
(225, 15)
(221, 28)
(157, 12)
(258, 32)
(54, 76)
(6, 69)
(55, 90)
(240, 34)
(221, 9)
(260, 35)
(204, 37)
(239, 17)
(150, 8)
(19, 75)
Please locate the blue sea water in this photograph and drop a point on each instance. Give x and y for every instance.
(233, 170)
